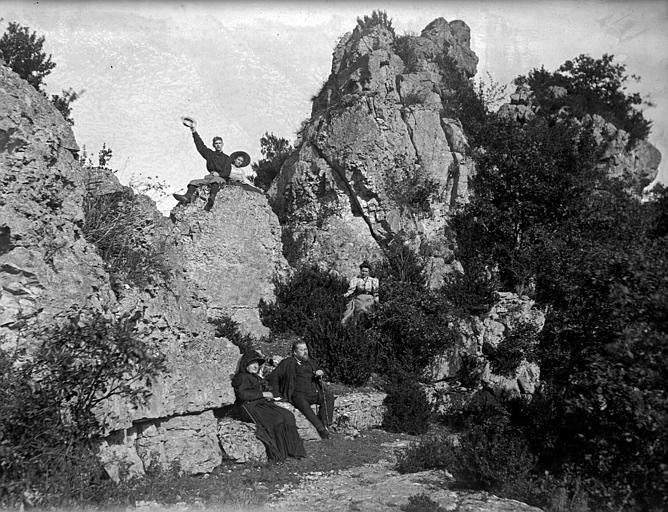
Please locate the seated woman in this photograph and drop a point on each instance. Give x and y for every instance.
(364, 290)
(276, 426)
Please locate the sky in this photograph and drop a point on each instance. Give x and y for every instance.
(243, 69)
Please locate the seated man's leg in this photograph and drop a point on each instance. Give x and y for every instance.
(188, 196)
(213, 191)
(302, 403)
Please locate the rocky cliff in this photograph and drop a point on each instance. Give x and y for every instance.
(212, 263)
(379, 162)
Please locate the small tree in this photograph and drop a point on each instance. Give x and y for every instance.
(376, 18)
(63, 102)
(104, 155)
(594, 86)
(275, 151)
(22, 51)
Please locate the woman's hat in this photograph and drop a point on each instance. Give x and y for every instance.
(365, 264)
(249, 357)
(242, 154)
(188, 121)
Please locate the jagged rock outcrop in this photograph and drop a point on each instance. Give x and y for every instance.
(230, 255)
(46, 266)
(379, 162)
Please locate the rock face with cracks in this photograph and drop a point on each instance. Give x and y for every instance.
(229, 255)
(379, 162)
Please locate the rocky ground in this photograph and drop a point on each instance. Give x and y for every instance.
(371, 487)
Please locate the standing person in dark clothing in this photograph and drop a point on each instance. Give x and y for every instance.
(276, 426)
(218, 164)
(299, 380)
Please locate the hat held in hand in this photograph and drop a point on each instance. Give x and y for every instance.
(188, 121)
(243, 155)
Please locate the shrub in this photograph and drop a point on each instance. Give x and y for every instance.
(421, 503)
(407, 407)
(402, 47)
(311, 305)
(48, 395)
(22, 51)
(595, 86)
(433, 451)
(309, 295)
(124, 238)
(275, 151)
(226, 327)
(63, 102)
(518, 345)
(376, 18)
(350, 352)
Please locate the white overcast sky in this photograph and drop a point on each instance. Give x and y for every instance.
(242, 69)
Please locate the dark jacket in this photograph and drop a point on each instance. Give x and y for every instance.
(282, 379)
(215, 162)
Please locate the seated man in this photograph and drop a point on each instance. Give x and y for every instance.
(218, 164)
(298, 379)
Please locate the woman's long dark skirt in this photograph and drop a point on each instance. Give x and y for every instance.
(276, 428)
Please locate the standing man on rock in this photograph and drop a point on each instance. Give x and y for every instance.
(298, 379)
(218, 164)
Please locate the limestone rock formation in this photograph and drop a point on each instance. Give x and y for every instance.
(230, 255)
(46, 266)
(379, 161)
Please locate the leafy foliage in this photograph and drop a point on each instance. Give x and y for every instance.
(311, 305)
(226, 327)
(407, 408)
(595, 86)
(377, 18)
(544, 215)
(275, 151)
(21, 49)
(63, 102)
(47, 397)
(518, 345)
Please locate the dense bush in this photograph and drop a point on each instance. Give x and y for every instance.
(595, 86)
(311, 304)
(544, 214)
(517, 345)
(407, 408)
(410, 325)
(49, 390)
(226, 327)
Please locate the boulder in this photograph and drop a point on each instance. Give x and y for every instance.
(230, 255)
